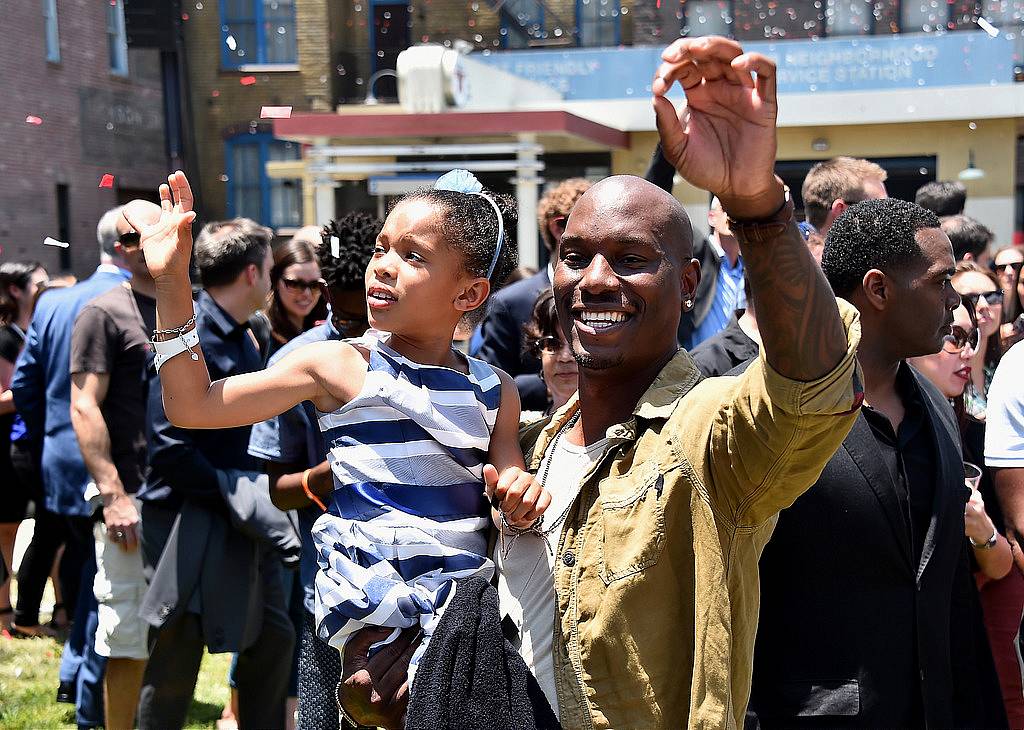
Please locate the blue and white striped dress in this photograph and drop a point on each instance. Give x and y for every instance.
(408, 514)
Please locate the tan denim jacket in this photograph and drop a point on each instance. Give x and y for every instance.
(656, 574)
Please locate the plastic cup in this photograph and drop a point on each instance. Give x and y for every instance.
(972, 475)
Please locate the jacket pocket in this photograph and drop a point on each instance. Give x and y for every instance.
(633, 530)
(820, 697)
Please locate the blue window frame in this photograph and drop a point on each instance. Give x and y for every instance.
(257, 32)
(598, 22)
(251, 193)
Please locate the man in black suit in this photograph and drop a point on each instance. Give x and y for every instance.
(511, 308)
(867, 610)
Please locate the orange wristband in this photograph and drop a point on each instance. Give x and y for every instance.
(309, 493)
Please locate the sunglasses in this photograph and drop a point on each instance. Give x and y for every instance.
(299, 285)
(548, 345)
(959, 338)
(130, 239)
(1015, 265)
(992, 298)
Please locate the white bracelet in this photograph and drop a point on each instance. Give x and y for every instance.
(166, 350)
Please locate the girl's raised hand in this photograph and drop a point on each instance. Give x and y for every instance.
(517, 494)
(167, 244)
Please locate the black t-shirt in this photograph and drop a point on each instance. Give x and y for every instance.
(109, 338)
(11, 340)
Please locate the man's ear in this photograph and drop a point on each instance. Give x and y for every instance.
(689, 278)
(968, 257)
(252, 274)
(473, 295)
(877, 289)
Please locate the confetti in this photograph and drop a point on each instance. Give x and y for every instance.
(275, 112)
(30, 119)
(335, 247)
(107, 181)
(54, 242)
(247, 80)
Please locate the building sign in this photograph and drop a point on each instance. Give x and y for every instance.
(805, 66)
(122, 129)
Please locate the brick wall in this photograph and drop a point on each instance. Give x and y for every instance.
(223, 107)
(93, 123)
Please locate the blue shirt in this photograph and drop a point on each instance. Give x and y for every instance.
(294, 437)
(183, 462)
(729, 297)
(42, 389)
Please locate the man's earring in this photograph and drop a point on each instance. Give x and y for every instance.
(688, 304)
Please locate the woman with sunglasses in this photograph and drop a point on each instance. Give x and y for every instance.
(980, 291)
(1000, 586)
(295, 303)
(1008, 263)
(544, 340)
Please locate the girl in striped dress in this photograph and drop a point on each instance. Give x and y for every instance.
(414, 428)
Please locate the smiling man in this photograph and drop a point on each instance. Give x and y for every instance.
(672, 484)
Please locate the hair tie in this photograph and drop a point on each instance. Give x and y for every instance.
(463, 181)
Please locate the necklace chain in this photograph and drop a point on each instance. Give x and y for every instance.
(537, 527)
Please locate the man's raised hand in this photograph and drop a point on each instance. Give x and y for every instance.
(723, 138)
(167, 244)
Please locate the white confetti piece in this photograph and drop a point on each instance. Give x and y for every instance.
(988, 27)
(275, 112)
(54, 242)
(335, 247)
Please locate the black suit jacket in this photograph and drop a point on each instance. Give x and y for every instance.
(502, 333)
(852, 632)
(660, 172)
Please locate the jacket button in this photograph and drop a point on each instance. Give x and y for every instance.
(568, 558)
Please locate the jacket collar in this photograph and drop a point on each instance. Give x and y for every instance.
(674, 381)
(216, 317)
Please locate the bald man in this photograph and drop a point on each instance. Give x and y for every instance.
(665, 487)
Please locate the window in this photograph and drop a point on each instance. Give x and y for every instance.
(849, 17)
(258, 32)
(917, 16)
(117, 38)
(251, 193)
(64, 224)
(52, 36)
(707, 17)
(597, 22)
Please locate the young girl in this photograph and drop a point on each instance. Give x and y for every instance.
(414, 429)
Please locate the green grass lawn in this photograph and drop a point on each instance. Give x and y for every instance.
(28, 684)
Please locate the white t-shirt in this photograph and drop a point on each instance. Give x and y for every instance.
(1004, 420)
(526, 583)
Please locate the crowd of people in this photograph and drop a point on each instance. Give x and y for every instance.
(768, 477)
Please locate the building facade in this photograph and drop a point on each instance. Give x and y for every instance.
(928, 89)
(81, 104)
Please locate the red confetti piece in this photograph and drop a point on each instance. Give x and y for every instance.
(107, 181)
(247, 80)
(275, 112)
(184, 16)
(33, 120)
(215, 93)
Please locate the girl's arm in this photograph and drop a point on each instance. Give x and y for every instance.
(507, 483)
(190, 399)
(994, 562)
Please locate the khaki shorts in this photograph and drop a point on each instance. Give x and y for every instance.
(119, 587)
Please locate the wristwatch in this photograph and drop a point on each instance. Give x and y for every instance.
(988, 545)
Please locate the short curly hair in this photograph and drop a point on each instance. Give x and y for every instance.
(559, 200)
(874, 234)
(356, 233)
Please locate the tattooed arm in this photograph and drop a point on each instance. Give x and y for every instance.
(723, 140)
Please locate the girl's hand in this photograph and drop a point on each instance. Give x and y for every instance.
(167, 244)
(978, 525)
(517, 494)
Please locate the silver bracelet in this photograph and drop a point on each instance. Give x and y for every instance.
(177, 331)
(989, 544)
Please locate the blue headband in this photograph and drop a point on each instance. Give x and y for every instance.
(463, 181)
